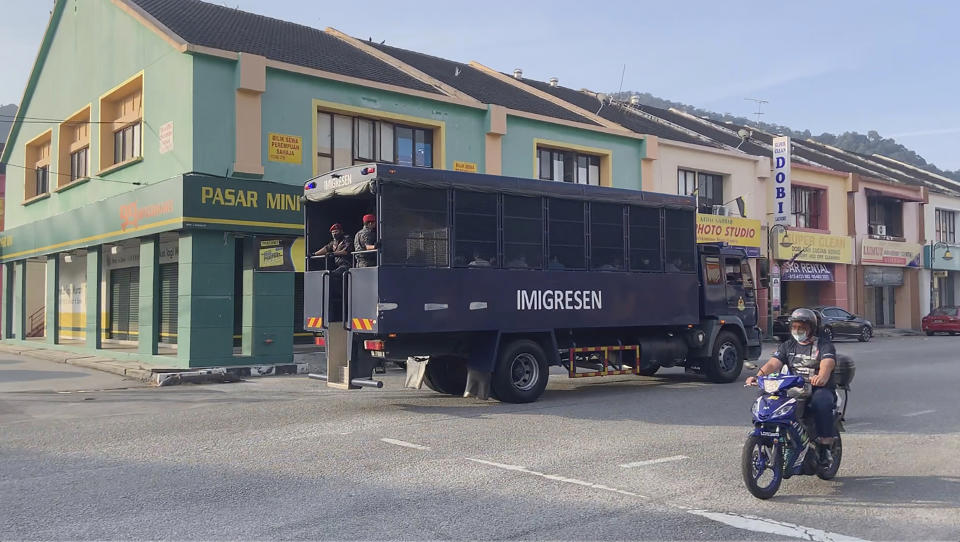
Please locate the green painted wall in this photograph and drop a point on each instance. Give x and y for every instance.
(82, 62)
(518, 149)
(287, 108)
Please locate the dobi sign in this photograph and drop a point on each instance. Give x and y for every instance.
(781, 180)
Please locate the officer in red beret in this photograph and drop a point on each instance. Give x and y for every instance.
(366, 239)
(340, 247)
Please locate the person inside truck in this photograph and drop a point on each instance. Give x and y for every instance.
(813, 358)
(366, 240)
(339, 247)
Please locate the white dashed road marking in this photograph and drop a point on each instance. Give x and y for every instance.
(749, 523)
(760, 525)
(654, 461)
(405, 444)
(921, 413)
(574, 481)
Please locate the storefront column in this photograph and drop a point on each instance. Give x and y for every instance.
(267, 326)
(52, 302)
(7, 313)
(149, 309)
(205, 299)
(94, 291)
(20, 298)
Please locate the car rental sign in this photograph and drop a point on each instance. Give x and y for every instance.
(781, 180)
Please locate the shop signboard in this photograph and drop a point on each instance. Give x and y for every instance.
(882, 276)
(781, 180)
(736, 232)
(814, 247)
(285, 148)
(279, 254)
(807, 272)
(891, 253)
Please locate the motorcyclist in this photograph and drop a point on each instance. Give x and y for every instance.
(813, 358)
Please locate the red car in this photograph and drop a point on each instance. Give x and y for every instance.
(942, 320)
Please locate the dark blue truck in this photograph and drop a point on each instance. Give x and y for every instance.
(482, 282)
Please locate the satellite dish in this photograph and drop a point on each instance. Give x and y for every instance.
(602, 97)
(744, 133)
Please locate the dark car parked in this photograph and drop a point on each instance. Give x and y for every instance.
(834, 323)
(942, 320)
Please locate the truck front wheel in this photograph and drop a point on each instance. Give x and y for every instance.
(727, 360)
(521, 373)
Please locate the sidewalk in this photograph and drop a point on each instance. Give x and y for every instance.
(305, 359)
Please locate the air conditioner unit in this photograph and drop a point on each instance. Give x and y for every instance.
(881, 229)
(719, 210)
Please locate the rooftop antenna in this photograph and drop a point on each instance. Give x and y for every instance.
(759, 103)
(622, 73)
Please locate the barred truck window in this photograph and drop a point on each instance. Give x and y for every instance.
(567, 235)
(680, 229)
(522, 232)
(414, 227)
(475, 229)
(606, 237)
(645, 239)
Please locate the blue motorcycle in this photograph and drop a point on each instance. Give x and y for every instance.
(780, 445)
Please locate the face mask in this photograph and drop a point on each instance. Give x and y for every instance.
(799, 336)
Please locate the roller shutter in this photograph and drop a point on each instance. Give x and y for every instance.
(124, 303)
(169, 276)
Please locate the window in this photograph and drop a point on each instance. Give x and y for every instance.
(343, 141)
(121, 122)
(567, 235)
(645, 239)
(606, 237)
(707, 187)
(126, 143)
(885, 216)
(37, 172)
(806, 203)
(568, 166)
(680, 228)
(475, 229)
(522, 232)
(415, 228)
(74, 154)
(712, 269)
(42, 179)
(78, 164)
(946, 224)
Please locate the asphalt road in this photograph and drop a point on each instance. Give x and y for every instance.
(91, 456)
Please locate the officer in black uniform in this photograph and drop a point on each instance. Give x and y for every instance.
(340, 247)
(813, 358)
(365, 240)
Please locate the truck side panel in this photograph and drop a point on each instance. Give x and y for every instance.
(418, 300)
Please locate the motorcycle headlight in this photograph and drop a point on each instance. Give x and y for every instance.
(784, 408)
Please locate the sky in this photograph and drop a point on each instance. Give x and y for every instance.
(826, 66)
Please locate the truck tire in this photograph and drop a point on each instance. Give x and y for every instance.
(727, 360)
(649, 370)
(447, 374)
(521, 372)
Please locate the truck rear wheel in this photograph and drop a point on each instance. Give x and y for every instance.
(447, 374)
(727, 360)
(521, 373)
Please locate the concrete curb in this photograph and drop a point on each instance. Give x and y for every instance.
(159, 376)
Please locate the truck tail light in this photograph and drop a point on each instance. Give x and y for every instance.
(373, 345)
(320, 341)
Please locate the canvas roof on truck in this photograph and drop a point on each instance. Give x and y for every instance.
(360, 179)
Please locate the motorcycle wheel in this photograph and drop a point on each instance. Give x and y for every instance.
(828, 472)
(757, 466)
